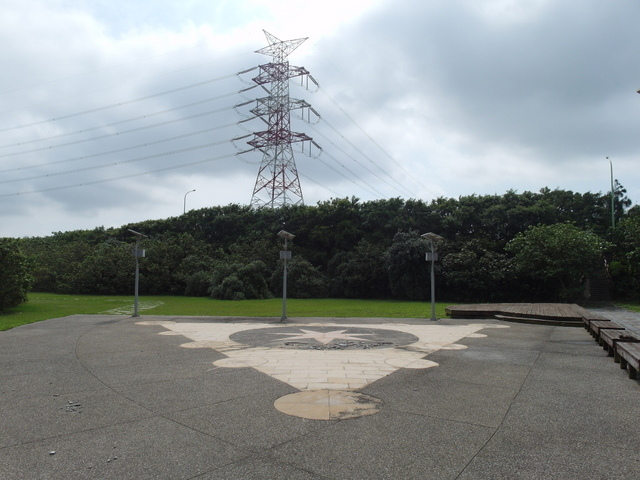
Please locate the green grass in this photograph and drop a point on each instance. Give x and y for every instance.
(42, 306)
(634, 307)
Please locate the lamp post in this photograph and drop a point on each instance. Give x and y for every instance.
(613, 198)
(285, 255)
(185, 200)
(137, 253)
(432, 257)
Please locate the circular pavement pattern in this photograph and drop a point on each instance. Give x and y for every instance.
(323, 337)
(328, 404)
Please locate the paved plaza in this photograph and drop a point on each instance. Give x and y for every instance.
(116, 397)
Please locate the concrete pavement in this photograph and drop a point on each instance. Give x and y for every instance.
(115, 397)
(626, 318)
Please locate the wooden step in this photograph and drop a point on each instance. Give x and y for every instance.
(540, 321)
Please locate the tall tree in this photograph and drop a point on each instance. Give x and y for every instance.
(556, 260)
(15, 275)
(406, 266)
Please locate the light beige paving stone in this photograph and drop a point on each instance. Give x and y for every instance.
(319, 372)
(240, 363)
(326, 404)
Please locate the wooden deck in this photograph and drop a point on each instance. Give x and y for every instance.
(548, 313)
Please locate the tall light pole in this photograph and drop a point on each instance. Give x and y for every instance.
(137, 253)
(185, 199)
(432, 257)
(613, 198)
(285, 255)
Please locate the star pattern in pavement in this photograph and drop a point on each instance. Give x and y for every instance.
(325, 337)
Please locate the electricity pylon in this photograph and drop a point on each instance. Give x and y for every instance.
(278, 183)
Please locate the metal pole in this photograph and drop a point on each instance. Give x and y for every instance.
(433, 282)
(284, 285)
(135, 300)
(613, 211)
(285, 255)
(136, 254)
(185, 200)
(432, 238)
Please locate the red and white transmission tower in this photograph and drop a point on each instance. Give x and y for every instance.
(277, 183)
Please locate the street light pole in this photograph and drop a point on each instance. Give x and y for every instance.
(285, 255)
(185, 200)
(137, 253)
(432, 256)
(613, 198)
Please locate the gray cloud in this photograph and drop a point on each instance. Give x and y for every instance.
(561, 82)
(418, 99)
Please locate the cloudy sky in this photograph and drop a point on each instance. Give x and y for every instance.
(112, 110)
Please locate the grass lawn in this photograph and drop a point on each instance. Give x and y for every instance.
(42, 306)
(634, 307)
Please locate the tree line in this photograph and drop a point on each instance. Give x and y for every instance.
(551, 245)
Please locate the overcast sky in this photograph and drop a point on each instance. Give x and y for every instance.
(112, 110)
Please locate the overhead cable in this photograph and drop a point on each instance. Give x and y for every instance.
(119, 104)
(121, 162)
(123, 177)
(120, 150)
(120, 122)
(115, 134)
(410, 175)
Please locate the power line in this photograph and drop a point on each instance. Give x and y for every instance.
(123, 177)
(364, 186)
(114, 105)
(410, 175)
(354, 159)
(320, 184)
(120, 150)
(128, 120)
(115, 134)
(121, 162)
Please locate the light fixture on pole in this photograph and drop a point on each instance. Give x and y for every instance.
(137, 253)
(432, 257)
(185, 200)
(285, 255)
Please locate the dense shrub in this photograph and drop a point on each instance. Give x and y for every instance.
(476, 274)
(15, 274)
(193, 275)
(359, 273)
(109, 269)
(236, 281)
(347, 248)
(406, 267)
(625, 264)
(556, 260)
(303, 279)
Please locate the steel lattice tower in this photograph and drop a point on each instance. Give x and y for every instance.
(277, 183)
